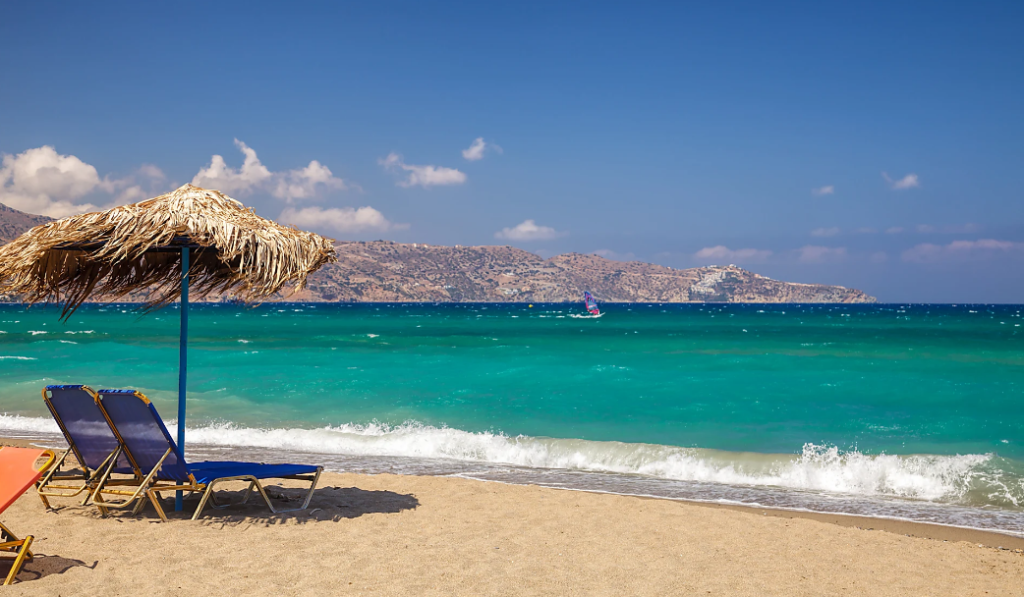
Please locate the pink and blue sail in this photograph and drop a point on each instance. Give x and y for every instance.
(590, 303)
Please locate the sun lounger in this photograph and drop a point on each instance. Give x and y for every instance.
(17, 473)
(161, 466)
(89, 439)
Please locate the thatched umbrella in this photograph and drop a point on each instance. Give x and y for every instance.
(147, 248)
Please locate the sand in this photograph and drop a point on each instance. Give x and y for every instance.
(408, 535)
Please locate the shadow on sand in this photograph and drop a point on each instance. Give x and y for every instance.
(41, 566)
(329, 503)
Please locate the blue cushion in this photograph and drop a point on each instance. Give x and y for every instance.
(206, 474)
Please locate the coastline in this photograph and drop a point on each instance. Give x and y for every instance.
(404, 534)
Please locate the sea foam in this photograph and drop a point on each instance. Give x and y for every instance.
(817, 468)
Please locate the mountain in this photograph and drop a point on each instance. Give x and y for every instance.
(387, 271)
(395, 272)
(14, 222)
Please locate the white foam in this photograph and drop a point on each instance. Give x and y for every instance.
(34, 424)
(817, 468)
(821, 468)
(13, 358)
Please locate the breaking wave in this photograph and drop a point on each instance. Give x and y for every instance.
(969, 479)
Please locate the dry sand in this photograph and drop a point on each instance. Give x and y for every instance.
(406, 535)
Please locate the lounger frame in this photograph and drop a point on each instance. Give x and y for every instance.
(56, 484)
(150, 487)
(10, 543)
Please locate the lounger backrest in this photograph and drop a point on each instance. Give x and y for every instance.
(135, 420)
(18, 472)
(83, 424)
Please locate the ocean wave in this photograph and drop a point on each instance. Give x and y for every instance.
(961, 479)
(16, 358)
(33, 424)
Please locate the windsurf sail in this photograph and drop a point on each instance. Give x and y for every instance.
(590, 303)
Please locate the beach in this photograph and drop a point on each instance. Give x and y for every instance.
(421, 535)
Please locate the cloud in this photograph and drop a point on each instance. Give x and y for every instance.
(825, 232)
(816, 254)
(909, 181)
(878, 257)
(339, 219)
(723, 253)
(962, 250)
(218, 175)
(822, 191)
(866, 230)
(956, 229)
(477, 148)
(152, 172)
(614, 255)
(302, 183)
(528, 230)
(894, 230)
(42, 181)
(424, 176)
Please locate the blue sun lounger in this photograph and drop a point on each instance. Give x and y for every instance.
(89, 440)
(161, 465)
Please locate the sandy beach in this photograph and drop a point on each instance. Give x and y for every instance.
(410, 535)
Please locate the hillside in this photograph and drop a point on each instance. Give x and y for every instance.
(14, 222)
(386, 271)
(395, 272)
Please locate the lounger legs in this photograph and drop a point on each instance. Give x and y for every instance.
(10, 543)
(254, 482)
(143, 488)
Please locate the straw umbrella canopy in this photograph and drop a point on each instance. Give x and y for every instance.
(190, 239)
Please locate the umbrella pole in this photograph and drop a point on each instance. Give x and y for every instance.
(182, 366)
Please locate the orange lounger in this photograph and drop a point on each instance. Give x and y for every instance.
(18, 472)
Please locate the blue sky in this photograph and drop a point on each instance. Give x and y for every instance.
(878, 146)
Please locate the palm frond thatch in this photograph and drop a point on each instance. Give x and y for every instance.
(137, 247)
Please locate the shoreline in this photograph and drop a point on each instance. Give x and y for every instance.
(907, 528)
(423, 536)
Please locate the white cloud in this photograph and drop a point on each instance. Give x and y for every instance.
(955, 229)
(816, 254)
(339, 219)
(528, 230)
(42, 181)
(825, 232)
(476, 150)
(614, 255)
(962, 250)
(424, 176)
(725, 254)
(301, 183)
(152, 172)
(878, 257)
(894, 230)
(909, 181)
(825, 190)
(218, 175)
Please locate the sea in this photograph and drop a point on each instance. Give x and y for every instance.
(911, 412)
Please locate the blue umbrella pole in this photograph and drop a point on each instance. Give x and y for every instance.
(182, 366)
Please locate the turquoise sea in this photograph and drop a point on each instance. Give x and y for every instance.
(907, 411)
